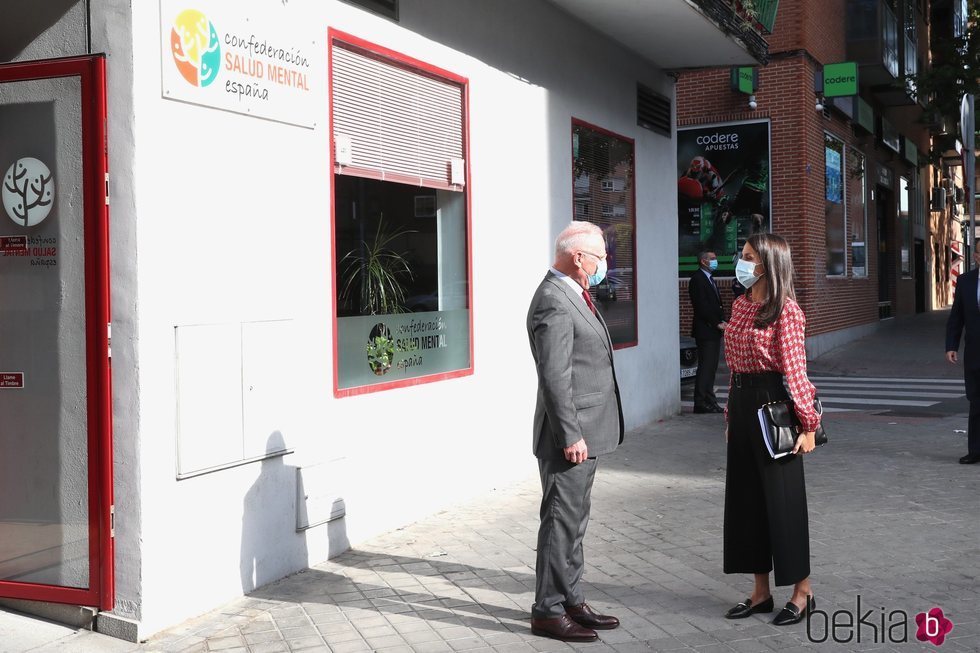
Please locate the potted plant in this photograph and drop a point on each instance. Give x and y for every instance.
(380, 351)
(376, 272)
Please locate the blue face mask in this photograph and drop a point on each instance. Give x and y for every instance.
(713, 265)
(600, 273)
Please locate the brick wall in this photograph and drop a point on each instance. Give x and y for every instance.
(807, 34)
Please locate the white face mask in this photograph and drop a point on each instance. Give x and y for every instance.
(745, 272)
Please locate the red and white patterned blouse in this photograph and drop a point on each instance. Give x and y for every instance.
(777, 348)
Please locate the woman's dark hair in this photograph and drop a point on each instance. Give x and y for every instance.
(777, 260)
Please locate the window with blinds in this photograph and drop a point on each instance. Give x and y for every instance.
(400, 225)
(603, 193)
(395, 123)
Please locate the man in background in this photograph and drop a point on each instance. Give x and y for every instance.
(706, 328)
(964, 316)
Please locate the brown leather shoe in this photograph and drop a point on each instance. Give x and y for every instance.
(584, 616)
(562, 628)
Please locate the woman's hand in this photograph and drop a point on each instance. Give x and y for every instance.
(806, 443)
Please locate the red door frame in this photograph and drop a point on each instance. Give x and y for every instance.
(101, 588)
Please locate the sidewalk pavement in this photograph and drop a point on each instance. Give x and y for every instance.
(893, 522)
(911, 346)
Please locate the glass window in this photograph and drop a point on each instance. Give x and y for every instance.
(905, 201)
(402, 290)
(910, 19)
(889, 41)
(401, 246)
(835, 209)
(960, 16)
(857, 199)
(602, 185)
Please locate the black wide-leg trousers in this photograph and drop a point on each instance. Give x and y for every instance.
(766, 523)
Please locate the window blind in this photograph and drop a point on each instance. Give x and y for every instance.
(395, 123)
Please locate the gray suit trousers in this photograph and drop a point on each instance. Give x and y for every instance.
(566, 499)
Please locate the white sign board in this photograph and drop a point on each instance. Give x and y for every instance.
(257, 59)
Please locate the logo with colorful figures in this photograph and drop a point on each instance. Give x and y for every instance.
(28, 191)
(195, 47)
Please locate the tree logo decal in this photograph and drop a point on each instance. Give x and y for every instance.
(28, 191)
(196, 48)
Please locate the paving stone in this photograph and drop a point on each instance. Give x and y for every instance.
(431, 647)
(262, 637)
(225, 643)
(268, 647)
(341, 637)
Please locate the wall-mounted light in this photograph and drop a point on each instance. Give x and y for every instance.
(752, 103)
(819, 104)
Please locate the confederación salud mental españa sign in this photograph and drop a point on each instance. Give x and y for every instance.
(255, 59)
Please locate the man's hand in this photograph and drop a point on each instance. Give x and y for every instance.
(806, 443)
(951, 357)
(577, 453)
(723, 325)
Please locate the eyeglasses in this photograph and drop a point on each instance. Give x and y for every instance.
(591, 254)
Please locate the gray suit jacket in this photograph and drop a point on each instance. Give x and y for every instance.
(577, 392)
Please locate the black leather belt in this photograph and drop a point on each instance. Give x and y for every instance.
(757, 380)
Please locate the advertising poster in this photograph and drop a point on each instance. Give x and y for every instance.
(723, 191)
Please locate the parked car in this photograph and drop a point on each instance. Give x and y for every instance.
(689, 359)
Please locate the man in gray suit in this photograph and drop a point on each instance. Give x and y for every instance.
(578, 417)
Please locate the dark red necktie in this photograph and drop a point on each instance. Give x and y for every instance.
(588, 301)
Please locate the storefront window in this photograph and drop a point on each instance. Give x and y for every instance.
(857, 194)
(835, 208)
(602, 173)
(905, 200)
(401, 247)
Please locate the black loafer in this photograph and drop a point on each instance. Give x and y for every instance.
(746, 609)
(970, 459)
(791, 614)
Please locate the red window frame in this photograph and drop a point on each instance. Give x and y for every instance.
(577, 122)
(433, 71)
(101, 589)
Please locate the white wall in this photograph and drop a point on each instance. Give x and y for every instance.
(223, 236)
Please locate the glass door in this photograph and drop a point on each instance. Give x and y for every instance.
(55, 418)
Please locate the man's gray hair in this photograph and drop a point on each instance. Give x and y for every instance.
(579, 234)
(704, 254)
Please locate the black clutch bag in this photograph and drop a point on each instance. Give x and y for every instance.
(781, 427)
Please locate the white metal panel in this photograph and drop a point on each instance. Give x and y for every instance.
(268, 386)
(209, 395)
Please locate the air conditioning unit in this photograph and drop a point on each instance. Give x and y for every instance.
(938, 198)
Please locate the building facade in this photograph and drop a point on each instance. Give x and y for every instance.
(268, 265)
(848, 179)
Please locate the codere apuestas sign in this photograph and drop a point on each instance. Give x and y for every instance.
(840, 79)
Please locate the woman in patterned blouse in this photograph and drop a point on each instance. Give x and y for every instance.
(766, 525)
